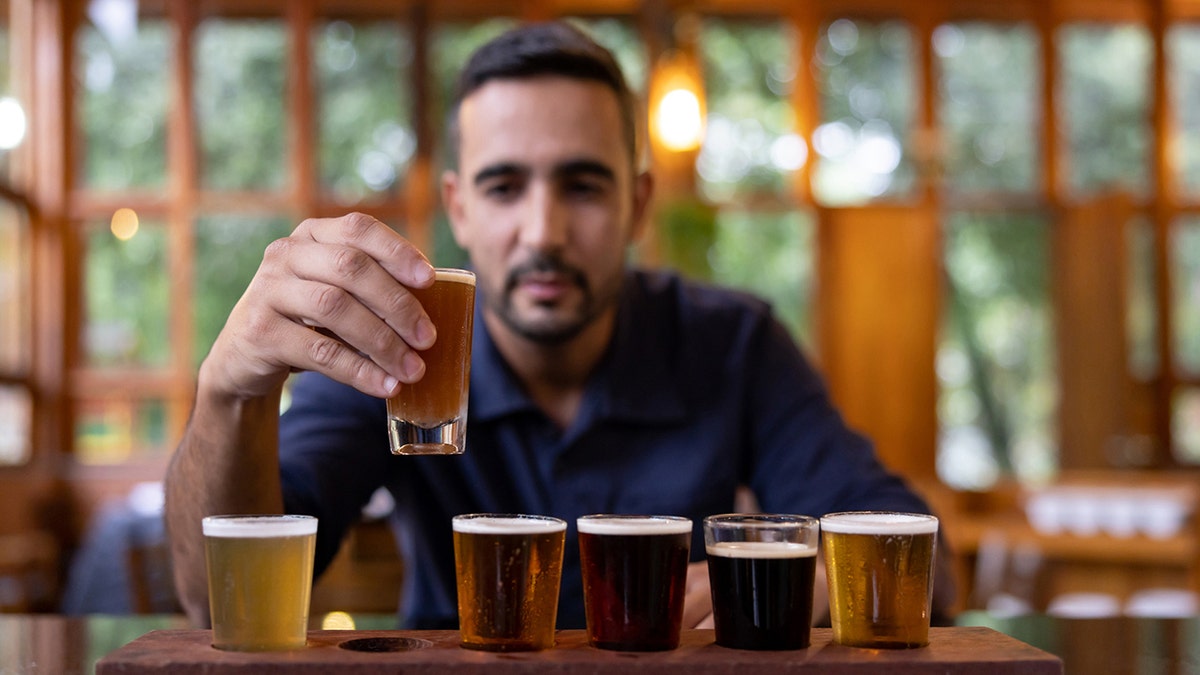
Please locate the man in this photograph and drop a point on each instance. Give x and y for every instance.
(595, 388)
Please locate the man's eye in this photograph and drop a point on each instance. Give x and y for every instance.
(584, 189)
(501, 190)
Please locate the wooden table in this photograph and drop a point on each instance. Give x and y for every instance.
(952, 651)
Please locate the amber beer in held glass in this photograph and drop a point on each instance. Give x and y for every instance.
(761, 569)
(880, 572)
(509, 568)
(259, 580)
(429, 417)
(634, 579)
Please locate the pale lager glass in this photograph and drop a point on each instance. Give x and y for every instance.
(509, 569)
(761, 569)
(634, 579)
(880, 572)
(259, 580)
(429, 417)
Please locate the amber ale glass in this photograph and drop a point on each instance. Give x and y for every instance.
(880, 573)
(634, 579)
(509, 568)
(429, 417)
(259, 580)
(761, 569)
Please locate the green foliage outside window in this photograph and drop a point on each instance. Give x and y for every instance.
(240, 103)
(122, 105)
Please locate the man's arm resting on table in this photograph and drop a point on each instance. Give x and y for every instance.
(227, 462)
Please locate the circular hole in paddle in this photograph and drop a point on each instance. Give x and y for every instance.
(385, 644)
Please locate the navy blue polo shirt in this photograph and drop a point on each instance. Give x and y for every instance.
(700, 391)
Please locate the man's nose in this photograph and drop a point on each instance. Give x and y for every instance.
(545, 222)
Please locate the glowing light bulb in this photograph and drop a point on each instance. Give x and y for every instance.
(12, 123)
(679, 120)
(124, 224)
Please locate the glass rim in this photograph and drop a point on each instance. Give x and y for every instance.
(524, 518)
(244, 525)
(595, 523)
(760, 520)
(869, 522)
(455, 274)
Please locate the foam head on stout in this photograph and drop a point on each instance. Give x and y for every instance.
(634, 578)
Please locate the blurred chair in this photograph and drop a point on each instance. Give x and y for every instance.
(28, 571)
(1006, 575)
(123, 565)
(1162, 603)
(1084, 606)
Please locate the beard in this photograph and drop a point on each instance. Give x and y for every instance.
(549, 323)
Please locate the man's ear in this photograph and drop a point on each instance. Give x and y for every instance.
(453, 204)
(643, 191)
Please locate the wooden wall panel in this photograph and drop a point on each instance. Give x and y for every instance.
(880, 279)
(1089, 282)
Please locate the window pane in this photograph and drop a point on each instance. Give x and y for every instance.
(16, 415)
(995, 361)
(770, 254)
(365, 121)
(15, 308)
(1185, 288)
(228, 252)
(126, 293)
(622, 39)
(1142, 314)
(240, 103)
(122, 76)
(1185, 424)
(866, 74)
(11, 132)
(1105, 105)
(452, 45)
(1183, 62)
(989, 102)
(750, 145)
(116, 429)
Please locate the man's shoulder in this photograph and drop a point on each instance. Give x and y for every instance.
(668, 289)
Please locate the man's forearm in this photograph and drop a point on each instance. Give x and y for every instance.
(227, 462)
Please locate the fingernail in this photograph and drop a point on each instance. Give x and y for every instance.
(389, 384)
(426, 333)
(423, 273)
(413, 366)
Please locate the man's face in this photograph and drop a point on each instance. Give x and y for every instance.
(545, 201)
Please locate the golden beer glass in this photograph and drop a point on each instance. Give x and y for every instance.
(259, 580)
(429, 417)
(508, 568)
(879, 567)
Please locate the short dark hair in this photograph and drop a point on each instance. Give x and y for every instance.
(536, 49)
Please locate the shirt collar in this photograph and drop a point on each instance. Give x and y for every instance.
(635, 381)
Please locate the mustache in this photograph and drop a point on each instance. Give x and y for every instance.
(542, 264)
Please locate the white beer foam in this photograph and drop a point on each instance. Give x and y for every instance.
(635, 525)
(879, 522)
(247, 527)
(507, 525)
(760, 550)
(449, 274)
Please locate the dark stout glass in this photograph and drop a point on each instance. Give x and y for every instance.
(634, 578)
(762, 593)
